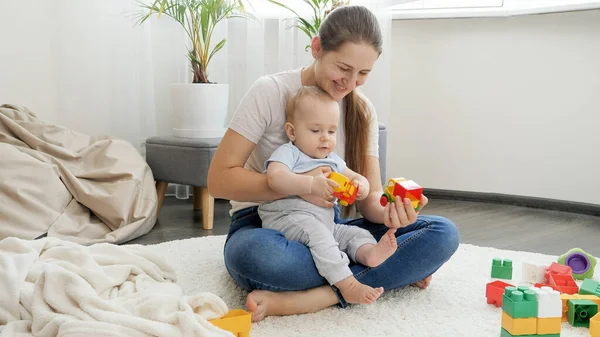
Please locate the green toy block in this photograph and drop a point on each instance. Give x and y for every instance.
(502, 269)
(590, 287)
(579, 312)
(504, 333)
(519, 304)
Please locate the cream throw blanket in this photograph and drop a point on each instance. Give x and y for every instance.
(70, 185)
(51, 287)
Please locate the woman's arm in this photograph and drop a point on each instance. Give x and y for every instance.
(227, 177)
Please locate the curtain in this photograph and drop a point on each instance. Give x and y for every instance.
(87, 65)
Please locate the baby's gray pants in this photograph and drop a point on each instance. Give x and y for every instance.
(330, 244)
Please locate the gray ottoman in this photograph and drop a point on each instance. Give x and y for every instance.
(183, 161)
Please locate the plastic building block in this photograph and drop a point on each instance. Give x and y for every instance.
(582, 264)
(595, 326)
(519, 304)
(346, 191)
(519, 326)
(580, 311)
(565, 297)
(548, 325)
(504, 333)
(494, 291)
(237, 321)
(533, 273)
(563, 283)
(404, 189)
(590, 287)
(549, 303)
(502, 269)
(557, 268)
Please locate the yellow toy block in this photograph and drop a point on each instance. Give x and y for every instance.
(595, 326)
(547, 326)
(236, 321)
(519, 326)
(565, 297)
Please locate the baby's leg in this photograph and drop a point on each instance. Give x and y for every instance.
(362, 247)
(310, 229)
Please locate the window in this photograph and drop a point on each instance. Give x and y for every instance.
(440, 4)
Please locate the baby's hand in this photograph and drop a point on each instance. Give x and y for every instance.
(322, 187)
(363, 188)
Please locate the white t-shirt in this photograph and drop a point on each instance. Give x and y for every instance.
(260, 117)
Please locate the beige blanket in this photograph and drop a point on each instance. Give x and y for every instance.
(70, 185)
(51, 287)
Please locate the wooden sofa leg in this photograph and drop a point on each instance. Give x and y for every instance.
(208, 208)
(161, 189)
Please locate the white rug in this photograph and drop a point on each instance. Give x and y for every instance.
(454, 304)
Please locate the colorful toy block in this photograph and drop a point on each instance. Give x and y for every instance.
(505, 333)
(533, 273)
(404, 189)
(346, 191)
(550, 304)
(590, 287)
(595, 326)
(519, 326)
(565, 297)
(237, 321)
(548, 326)
(582, 264)
(502, 269)
(580, 311)
(563, 283)
(494, 291)
(519, 304)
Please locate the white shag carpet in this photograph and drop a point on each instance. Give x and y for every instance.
(454, 305)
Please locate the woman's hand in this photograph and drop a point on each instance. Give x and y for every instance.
(399, 214)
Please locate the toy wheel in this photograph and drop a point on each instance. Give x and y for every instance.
(383, 200)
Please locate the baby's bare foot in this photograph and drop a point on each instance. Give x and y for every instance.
(356, 292)
(423, 284)
(386, 246)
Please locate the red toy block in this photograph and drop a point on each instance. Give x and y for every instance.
(557, 268)
(494, 291)
(563, 283)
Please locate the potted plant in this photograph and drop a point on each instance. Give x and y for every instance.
(320, 9)
(199, 108)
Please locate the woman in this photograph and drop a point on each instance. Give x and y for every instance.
(281, 274)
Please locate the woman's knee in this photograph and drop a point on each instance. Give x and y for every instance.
(449, 237)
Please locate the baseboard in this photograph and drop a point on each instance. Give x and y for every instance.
(516, 200)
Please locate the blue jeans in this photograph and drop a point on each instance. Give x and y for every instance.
(261, 258)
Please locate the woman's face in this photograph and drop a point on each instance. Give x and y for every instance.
(340, 71)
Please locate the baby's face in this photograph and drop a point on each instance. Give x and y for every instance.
(315, 126)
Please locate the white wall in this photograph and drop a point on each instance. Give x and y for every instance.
(502, 105)
(30, 82)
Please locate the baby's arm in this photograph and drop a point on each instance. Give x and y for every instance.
(282, 180)
(358, 180)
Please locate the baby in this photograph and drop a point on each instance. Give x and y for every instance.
(312, 119)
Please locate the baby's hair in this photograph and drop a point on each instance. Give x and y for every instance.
(304, 92)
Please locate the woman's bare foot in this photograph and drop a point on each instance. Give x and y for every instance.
(424, 283)
(262, 303)
(374, 255)
(356, 292)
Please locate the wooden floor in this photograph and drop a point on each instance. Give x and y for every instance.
(482, 224)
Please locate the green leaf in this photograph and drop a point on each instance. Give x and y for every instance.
(218, 47)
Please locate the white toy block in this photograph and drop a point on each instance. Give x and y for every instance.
(549, 302)
(533, 273)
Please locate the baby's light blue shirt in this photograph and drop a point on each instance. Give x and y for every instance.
(299, 162)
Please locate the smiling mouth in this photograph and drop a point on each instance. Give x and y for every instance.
(338, 87)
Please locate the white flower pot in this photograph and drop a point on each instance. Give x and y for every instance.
(199, 109)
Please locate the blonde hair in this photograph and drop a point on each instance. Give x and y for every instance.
(304, 92)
